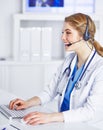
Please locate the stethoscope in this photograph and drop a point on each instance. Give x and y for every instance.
(78, 83)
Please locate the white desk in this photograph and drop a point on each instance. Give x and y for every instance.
(5, 97)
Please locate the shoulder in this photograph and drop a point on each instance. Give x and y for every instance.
(97, 65)
(67, 61)
(69, 56)
(98, 60)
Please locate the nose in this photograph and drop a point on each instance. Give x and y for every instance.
(63, 37)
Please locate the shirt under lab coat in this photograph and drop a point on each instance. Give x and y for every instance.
(86, 103)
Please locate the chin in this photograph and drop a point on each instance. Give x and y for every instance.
(67, 49)
(68, 53)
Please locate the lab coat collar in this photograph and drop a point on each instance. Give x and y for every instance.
(93, 51)
(73, 62)
(71, 59)
(75, 59)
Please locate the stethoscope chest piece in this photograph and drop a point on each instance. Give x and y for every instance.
(78, 85)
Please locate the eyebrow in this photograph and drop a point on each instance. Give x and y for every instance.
(67, 30)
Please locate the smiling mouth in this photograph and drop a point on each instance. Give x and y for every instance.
(68, 44)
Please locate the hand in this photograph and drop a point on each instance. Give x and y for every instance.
(18, 104)
(35, 118)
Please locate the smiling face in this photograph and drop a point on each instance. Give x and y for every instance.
(69, 36)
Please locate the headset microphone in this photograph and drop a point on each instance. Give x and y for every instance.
(70, 43)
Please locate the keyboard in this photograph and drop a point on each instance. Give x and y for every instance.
(11, 114)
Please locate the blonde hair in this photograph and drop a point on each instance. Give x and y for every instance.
(79, 22)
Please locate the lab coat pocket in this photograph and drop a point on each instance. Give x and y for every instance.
(78, 96)
(84, 93)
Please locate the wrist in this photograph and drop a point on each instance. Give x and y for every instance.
(33, 101)
(56, 117)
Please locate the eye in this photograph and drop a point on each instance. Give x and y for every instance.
(68, 32)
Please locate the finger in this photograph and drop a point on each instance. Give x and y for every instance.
(30, 116)
(34, 121)
(16, 103)
(11, 104)
(21, 107)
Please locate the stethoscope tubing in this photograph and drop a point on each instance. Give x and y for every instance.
(87, 66)
(78, 83)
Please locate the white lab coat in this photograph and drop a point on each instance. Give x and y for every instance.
(86, 103)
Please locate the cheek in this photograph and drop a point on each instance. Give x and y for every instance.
(76, 38)
(69, 38)
(64, 38)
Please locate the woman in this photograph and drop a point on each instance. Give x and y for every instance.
(78, 83)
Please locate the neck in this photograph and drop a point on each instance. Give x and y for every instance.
(83, 56)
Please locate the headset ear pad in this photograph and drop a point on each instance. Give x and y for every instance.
(86, 35)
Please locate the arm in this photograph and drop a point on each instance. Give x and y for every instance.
(36, 118)
(50, 91)
(34, 101)
(19, 104)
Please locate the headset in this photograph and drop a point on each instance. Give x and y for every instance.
(86, 35)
